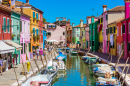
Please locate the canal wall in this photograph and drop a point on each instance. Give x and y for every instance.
(127, 80)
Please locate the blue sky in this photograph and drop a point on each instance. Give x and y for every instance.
(72, 9)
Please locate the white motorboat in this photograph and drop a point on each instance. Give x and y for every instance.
(99, 65)
(101, 71)
(39, 80)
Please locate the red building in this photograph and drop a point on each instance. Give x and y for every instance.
(41, 28)
(119, 36)
(5, 22)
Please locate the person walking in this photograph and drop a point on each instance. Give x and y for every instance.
(34, 54)
(41, 53)
(37, 52)
(1, 64)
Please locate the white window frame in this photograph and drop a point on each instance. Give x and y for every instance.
(5, 24)
(117, 31)
(121, 30)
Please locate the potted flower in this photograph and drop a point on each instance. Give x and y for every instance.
(13, 35)
(38, 37)
(18, 37)
(34, 38)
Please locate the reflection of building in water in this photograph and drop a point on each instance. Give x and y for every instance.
(69, 62)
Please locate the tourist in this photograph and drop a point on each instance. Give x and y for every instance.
(1, 64)
(37, 52)
(41, 53)
(34, 54)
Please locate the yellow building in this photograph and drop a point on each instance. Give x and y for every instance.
(112, 35)
(33, 12)
(100, 31)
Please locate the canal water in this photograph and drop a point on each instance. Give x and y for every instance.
(77, 74)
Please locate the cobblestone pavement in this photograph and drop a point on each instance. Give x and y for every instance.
(8, 77)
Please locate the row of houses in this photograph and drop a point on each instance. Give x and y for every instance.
(21, 31)
(107, 33)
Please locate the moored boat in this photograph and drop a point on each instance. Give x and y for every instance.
(99, 65)
(61, 57)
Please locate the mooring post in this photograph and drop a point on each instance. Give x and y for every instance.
(24, 68)
(36, 64)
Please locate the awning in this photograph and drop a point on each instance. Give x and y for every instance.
(99, 27)
(17, 46)
(34, 45)
(52, 41)
(4, 48)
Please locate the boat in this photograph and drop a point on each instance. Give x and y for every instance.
(73, 52)
(101, 81)
(61, 57)
(39, 80)
(67, 50)
(101, 71)
(99, 65)
(61, 64)
(92, 60)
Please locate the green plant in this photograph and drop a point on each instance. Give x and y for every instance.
(35, 38)
(34, 18)
(18, 36)
(38, 37)
(13, 35)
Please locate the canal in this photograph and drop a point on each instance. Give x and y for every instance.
(77, 74)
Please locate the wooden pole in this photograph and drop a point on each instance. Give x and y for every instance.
(15, 75)
(42, 61)
(36, 64)
(45, 58)
(24, 68)
(126, 74)
(124, 68)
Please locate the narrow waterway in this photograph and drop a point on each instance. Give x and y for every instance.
(77, 74)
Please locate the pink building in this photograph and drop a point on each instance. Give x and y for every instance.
(55, 33)
(25, 38)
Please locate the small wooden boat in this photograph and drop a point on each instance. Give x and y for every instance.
(101, 71)
(39, 80)
(72, 52)
(99, 65)
(92, 60)
(101, 81)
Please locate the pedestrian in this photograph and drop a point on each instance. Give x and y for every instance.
(34, 54)
(37, 52)
(1, 64)
(41, 53)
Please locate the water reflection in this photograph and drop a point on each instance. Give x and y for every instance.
(77, 74)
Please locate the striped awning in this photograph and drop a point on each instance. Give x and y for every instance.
(5, 48)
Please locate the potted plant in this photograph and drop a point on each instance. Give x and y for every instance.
(13, 35)
(34, 18)
(34, 38)
(38, 37)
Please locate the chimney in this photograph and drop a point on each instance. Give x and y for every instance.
(81, 23)
(22, 8)
(68, 20)
(72, 24)
(27, 1)
(127, 8)
(104, 8)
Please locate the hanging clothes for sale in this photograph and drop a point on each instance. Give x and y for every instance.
(111, 40)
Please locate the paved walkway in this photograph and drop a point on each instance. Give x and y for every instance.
(9, 79)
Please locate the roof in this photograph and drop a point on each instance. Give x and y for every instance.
(117, 9)
(84, 25)
(19, 4)
(5, 8)
(119, 20)
(91, 17)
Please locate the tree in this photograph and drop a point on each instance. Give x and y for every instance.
(44, 20)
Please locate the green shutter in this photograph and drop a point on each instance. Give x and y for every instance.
(4, 24)
(20, 26)
(29, 47)
(24, 47)
(8, 25)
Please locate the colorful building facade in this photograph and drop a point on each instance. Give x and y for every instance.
(25, 37)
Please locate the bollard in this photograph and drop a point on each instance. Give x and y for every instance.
(28, 66)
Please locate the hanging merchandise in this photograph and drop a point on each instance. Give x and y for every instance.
(111, 40)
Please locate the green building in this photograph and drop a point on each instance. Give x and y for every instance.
(93, 34)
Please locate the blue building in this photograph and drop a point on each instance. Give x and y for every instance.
(44, 38)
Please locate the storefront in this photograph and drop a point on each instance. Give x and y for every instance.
(6, 54)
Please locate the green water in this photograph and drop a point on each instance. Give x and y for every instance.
(77, 74)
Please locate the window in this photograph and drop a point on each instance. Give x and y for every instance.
(49, 33)
(8, 25)
(93, 31)
(101, 20)
(129, 27)
(33, 14)
(20, 26)
(29, 47)
(123, 28)
(37, 31)
(128, 46)
(77, 35)
(12, 25)
(22, 48)
(34, 31)
(49, 26)
(37, 16)
(60, 37)
(82, 33)
(63, 33)
(92, 43)
(106, 31)
(98, 20)
(114, 29)
(4, 24)
(117, 31)
(17, 27)
(106, 17)
(54, 26)
(24, 27)
(77, 29)
(110, 29)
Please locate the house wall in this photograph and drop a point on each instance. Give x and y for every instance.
(75, 32)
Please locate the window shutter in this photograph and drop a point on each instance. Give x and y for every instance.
(4, 24)
(37, 15)
(8, 25)
(33, 31)
(37, 31)
(24, 47)
(20, 26)
(29, 47)
(123, 28)
(33, 14)
(106, 17)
